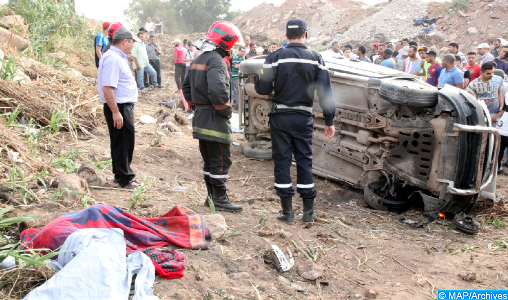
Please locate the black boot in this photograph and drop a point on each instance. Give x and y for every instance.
(221, 201)
(308, 210)
(286, 215)
(209, 194)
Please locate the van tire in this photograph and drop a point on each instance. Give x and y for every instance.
(380, 203)
(253, 150)
(409, 92)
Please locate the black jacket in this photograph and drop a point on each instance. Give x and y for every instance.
(295, 73)
(208, 83)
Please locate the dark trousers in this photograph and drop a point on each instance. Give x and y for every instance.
(156, 65)
(122, 142)
(504, 145)
(292, 135)
(179, 74)
(217, 161)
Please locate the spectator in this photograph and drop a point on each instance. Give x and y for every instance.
(497, 47)
(101, 42)
(266, 51)
(405, 42)
(235, 87)
(347, 51)
(399, 61)
(252, 51)
(483, 51)
(184, 44)
(497, 83)
(399, 46)
(142, 30)
(112, 29)
(502, 127)
(352, 55)
(424, 65)
(189, 56)
(361, 54)
(412, 62)
(154, 51)
(117, 91)
(483, 90)
(141, 63)
(454, 49)
(501, 63)
(434, 70)
(150, 26)
(275, 46)
(450, 74)
(178, 63)
(387, 59)
(335, 48)
(158, 26)
(379, 58)
(473, 66)
(389, 45)
(375, 51)
(467, 74)
(413, 43)
(246, 40)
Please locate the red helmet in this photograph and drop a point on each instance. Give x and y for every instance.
(112, 29)
(224, 34)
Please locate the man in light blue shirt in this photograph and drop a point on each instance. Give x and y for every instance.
(117, 90)
(450, 74)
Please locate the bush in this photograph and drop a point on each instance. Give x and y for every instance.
(52, 26)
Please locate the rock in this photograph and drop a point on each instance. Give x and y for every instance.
(21, 77)
(371, 294)
(92, 174)
(181, 118)
(216, 224)
(73, 183)
(452, 37)
(144, 119)
(171, 126)
(470, 277)
(443, 50)
(13, 22)
(55, 56)
(309, 270)
(12, 40)
(239, 276)
(472, 30)
(74, 73)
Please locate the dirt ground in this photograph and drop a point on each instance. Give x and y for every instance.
(362, 249)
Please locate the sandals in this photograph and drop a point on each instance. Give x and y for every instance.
(131, 185)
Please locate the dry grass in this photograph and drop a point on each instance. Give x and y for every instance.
(24, 282)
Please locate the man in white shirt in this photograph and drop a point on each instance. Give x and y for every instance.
(150, 26)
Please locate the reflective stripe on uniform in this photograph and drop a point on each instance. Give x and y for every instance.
(305, 186)
(214, 133)
(295, 60)
(206, 173)
(218, 176)
(283, 186)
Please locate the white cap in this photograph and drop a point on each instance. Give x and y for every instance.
(482, 45)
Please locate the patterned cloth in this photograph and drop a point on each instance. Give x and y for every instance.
(180, 226)
(365, 59)
(433, 74)
(413, 66)
(486, 57)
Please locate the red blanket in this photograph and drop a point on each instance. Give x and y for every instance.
(181, 226)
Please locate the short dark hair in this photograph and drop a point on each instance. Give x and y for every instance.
(457, 58)
(140, 34)
(275, 43)
(384, 45)
(188, 44)
(414, 48)
(242, 48)
(413, 43)
(487, 67)
(335, 43)
(399, 42)
(294, 33)
(455, 45)
(471, 53)
(505, 46)
(498, 40)
(405, 40)
(493, 63)
(432, 53)
(449, 58)
(347, 46)
(362, 49)
(424, 49)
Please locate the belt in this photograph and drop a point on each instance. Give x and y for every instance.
(203, 106)
(276, 106)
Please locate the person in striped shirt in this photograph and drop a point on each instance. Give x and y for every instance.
(235, 67)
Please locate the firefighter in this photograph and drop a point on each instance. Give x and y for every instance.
(294, 74)
(207, 88)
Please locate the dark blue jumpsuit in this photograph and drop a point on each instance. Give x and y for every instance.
(295, 73)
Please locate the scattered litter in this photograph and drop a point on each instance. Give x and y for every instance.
(236, 144)
(9, 262)
(169, 103)
(144, 119)
(190, 117)
(280, 261)
(180, 189)
(13, 156)
(189, 127)
(41, 191)
(235, 123)
(466, 223)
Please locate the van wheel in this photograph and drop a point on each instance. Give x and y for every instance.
(258, 150)
(408, 92)
(373, 195)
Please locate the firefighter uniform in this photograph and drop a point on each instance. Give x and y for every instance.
(294, 74)
(207, 88)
